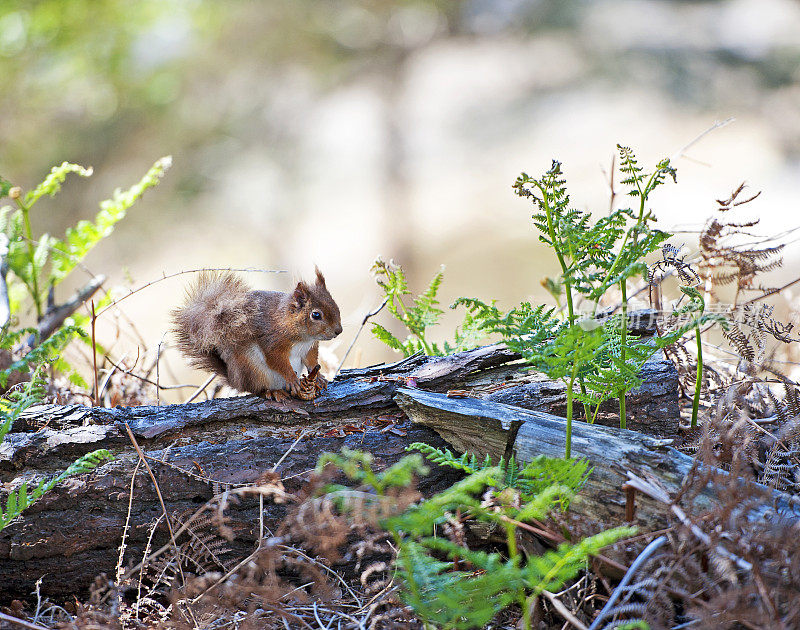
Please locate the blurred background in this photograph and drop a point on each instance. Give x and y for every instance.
(331, 132)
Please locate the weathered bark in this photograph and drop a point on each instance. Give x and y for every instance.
(489, 428)
(73, 533)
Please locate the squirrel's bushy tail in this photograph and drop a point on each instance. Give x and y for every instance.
(215, 313)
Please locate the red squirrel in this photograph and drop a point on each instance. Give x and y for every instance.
(259, 341)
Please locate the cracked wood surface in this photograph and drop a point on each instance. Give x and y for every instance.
(73, 532)
(486, 427)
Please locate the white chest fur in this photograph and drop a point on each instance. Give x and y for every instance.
(298, 353)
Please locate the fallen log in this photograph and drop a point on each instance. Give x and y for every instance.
(73, 533)
(489, 428)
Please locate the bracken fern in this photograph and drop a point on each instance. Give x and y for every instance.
(430, 566)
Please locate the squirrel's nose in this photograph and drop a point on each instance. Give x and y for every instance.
(338, 330)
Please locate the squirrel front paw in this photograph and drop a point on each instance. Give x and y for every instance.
(278, 395)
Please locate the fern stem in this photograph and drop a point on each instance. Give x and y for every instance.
(612, 269)
(406, 320)
(31, 256)
(513, 554)
(623, 419)
(594, 415)
(564, 275)
(568, 449)
(526, 603)
(639, 220)
(551, 232)
(511, 542)
(698, 379)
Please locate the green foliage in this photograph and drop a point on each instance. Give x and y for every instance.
(422, 314)
(5, 187)
(450, 598)
(603, 359)
(467, 462)
(524, 328)
(594, 256)
(18, 400)
(46, 352)
(637, 178)
(19, 499)
(80, 240)
(52, 183)
(37, 266)
(530, 479)
(40, 264)
(357, 465)
(452, 586)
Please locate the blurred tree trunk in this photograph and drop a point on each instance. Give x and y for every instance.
(397, 205)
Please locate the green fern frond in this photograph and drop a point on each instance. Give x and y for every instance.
(538, 506)
(18, 400)
(530, 478)
(421, 315)
(441, 592)
(550, 570)
(388, 338)
(82, 238)
(467, 462)
(454, 599)
(357, 466)
(52, 183)
(45, 352)
(642, 184)
(19, 500)
(420, 520)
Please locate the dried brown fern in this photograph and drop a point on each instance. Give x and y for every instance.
(328, 563)
(723, 263)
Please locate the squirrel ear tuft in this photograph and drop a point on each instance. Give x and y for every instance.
(320, 277)
(300, 295)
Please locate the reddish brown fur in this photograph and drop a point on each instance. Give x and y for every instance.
(226, 328)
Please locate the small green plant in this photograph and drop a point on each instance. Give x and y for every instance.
(39, 264)
(529, 479)
(602, 358)
(596, 256)
(696, 307)
(449, 585)
(36, 266)
(420, 316)
(46, 352)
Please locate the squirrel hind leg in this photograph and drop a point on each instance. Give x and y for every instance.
(248, 371)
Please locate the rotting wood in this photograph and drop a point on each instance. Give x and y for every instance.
(72, 533)
(482, 427)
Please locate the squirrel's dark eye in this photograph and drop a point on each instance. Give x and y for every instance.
(316, 315)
